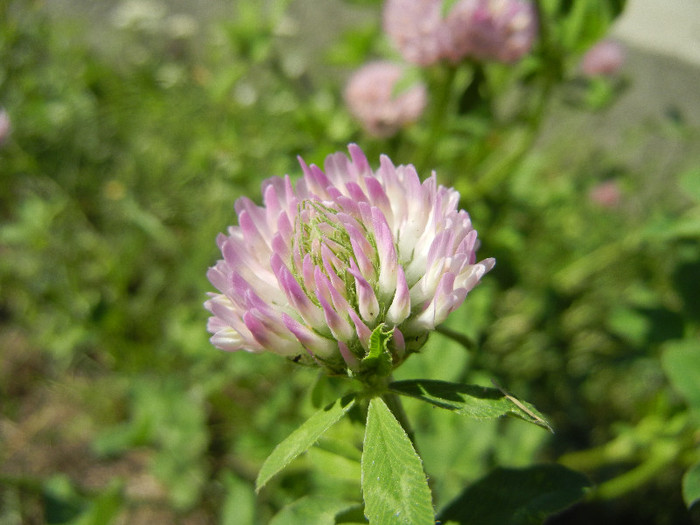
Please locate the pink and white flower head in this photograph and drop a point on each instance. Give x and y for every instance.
(4, 126)
(371, 98)
(604, 58)
(344, 252)
(417, 28)
(500, 30)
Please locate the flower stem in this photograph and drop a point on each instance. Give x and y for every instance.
(661, 456)
(462, 339)
(394, 403)
(441, 86)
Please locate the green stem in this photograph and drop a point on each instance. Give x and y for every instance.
(535, 108)
(462, 339)
(473, 99)
(441, 90)
(662, 455)
(394, 403)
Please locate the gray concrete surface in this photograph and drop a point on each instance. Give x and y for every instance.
(663, 27)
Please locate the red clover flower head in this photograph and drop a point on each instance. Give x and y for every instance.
(417, 28)
(426, 31)
(371, 98)
(500, 30)
(342, 255)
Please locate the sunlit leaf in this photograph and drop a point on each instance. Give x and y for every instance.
(302, 438)
(470, 400)
(394, 485)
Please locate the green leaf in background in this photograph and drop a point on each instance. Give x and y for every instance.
(302, 438)
(311, 509)
(690, 182)
(239, 505)
(105, 507)
(691, 486)
(517, 496)
(630, 324)
(587, 22)
(394, 485)
(681, 362)
(352, 47)
(474, 401)
(63, 503)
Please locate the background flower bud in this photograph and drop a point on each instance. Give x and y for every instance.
(604, 58)
(606, 194)
(417, 29)
(500, 30)
(372, 98)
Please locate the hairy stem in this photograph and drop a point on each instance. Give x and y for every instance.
(661, 456)
(462, 339)
(394, 403)
(441, 88)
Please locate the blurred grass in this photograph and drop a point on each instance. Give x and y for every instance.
(123, 166)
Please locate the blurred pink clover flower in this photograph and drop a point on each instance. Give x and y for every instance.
(604, 58)
(417, 28)
(428, 31)
(372, 98)
(499, 30)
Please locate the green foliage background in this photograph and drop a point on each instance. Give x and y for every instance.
(123, 164)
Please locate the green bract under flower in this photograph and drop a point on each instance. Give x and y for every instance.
(345, 257)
